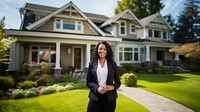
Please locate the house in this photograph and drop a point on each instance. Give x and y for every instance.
(67, 36)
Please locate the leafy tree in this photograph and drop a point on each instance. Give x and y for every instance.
(191, 50)
(140, 8)
(4, 44)
(188, 25)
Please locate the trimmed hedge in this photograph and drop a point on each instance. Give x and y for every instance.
(129, 79)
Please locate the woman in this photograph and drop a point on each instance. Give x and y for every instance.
(102, 80)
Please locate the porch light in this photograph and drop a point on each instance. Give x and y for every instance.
(69, 50)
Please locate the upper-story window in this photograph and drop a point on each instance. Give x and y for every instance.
(164, 35)
(66, 25)
(122, 28)
(150, 33)
(132, 29)
(157, 34)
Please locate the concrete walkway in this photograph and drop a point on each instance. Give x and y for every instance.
(153, 102)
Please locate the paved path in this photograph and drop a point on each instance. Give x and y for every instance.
(153, 102)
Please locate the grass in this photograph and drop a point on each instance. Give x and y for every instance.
(183, 88)
(70, 101)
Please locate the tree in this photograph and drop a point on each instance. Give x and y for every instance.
(140, 8)
(170, 20)
(188, 25)
(190, 50)
(4, 43)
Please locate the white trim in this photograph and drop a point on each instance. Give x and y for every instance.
(81, 57)
(60, 35)
(120, 34)
(130, 29)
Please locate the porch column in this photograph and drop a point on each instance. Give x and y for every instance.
(147, 53)
(116, 55)
(87, 55)
(176, 57)
(57, 56)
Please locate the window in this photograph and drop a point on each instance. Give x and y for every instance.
(157, 34)
(66, 25)
(43, 53)
(164, 35)
(132, 29)
(128, 54)
(135, 54)
(122, 29)
(150, 33)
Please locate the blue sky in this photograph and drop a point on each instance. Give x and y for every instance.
(10, 8)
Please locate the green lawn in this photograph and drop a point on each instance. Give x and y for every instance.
(183, 88)
(70, 101)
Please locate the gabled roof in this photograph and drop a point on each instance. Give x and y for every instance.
(150, 18)
(46, 18)
(115, 18)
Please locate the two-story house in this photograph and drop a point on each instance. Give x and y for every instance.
(67, 36)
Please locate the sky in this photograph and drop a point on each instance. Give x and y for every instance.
(10, 8)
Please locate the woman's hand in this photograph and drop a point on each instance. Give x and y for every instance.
(102, 90)
(110, 87)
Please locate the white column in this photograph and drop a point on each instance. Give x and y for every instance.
(147, 53)
(116, 55)
(144, 33)
(87, 55)
(176, 57)
(12, 55)
(57, 55)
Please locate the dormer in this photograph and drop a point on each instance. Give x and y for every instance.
(123, 25)
(155, 27)
(67, 19)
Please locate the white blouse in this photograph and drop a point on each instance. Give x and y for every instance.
(102, 73)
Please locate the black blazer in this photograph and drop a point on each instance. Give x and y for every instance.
(112, 79)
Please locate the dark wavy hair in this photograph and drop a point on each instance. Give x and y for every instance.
(109, 55)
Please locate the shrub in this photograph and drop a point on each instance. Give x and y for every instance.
(48, 90)
(30, 93)
(60, 89)
(120, 70)
(45, 68)
(25, 69)
(2, 92)
(43, 79)
(18, 93)
(6, 82)
(32, 75)
(69, 87)
(79, 85)
(128, 67)
(129, 79)
(161, 70)
(27, 84)
(70, 69)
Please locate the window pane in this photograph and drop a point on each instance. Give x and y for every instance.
(122, 24)
(157, 34)
(128, 49)
(79, 28)
(128, 56)
(120, 56)
(53, 56)
(132, 28)
(57, 25)
(164, 35)
(69, 26)
(135, 56)
(150, 33)
(120, 49)
(44, 56)
(122, 30)
(34, 56)
(135, 49)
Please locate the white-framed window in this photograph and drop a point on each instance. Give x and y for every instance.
(128, 54)
(132, 29)
(122, 28)
(157, 34)
(150, 32)
(164, 35)
(68, 25)
(40, 54)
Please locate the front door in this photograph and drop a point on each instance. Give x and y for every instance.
(160, 57)
(78, 58)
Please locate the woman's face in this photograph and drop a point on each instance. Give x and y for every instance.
(102, 51)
